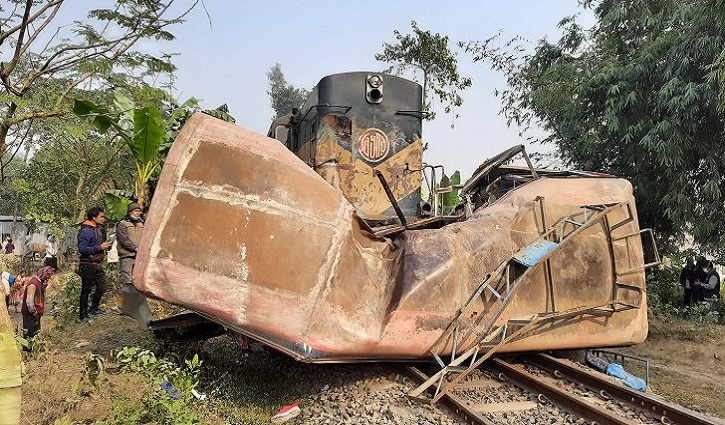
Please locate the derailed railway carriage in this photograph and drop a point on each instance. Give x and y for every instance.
(318, 244)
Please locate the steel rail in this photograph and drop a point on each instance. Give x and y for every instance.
(664, 412)
(454, 403)
(561, 398)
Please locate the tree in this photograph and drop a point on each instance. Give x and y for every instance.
(148, 131)
(284, 95)
(72, 168)
(9, 196)
(431, 54)
(637, 96)
(46, 60)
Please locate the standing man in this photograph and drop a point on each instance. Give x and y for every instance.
(711, 286)
(51, 252)
(33, 302)
(92, 250)
(128, 234)
(687, 280)
(700, 278)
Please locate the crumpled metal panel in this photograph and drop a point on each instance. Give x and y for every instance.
(243, 232)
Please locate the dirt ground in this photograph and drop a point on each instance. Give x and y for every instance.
(687, 363)
(686, 366)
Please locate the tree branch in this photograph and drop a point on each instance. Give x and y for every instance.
(41, 28)
(28, 6)
(5, 22)
(126, 42)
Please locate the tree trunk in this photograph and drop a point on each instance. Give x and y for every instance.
(81, 204)
(140, 191)
(4, 129)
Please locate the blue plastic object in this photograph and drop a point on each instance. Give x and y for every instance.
(170, 390)
(627, 379)
(531, 255)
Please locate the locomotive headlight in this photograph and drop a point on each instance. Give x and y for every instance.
(374, 88)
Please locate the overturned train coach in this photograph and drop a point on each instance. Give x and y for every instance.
(318, 244)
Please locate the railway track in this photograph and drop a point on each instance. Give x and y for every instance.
(542, 389)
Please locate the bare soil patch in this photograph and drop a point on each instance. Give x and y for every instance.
(687, 363)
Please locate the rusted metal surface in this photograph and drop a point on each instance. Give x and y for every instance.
(355, 176)
(356, 124)
(245, 233)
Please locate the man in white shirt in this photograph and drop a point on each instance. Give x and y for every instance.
(51, 252)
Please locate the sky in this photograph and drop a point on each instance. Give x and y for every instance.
(225, 50)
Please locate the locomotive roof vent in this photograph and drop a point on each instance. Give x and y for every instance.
(374, 88)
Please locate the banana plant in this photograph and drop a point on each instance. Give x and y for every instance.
(117, 202)
(147, 131)
(449, 200)
(142, 129)
(148, 134)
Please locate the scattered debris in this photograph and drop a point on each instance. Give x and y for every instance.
(170, 390)
(82, 344)
(286, 413)
(198, 395)
(616, 370)
(596, 362)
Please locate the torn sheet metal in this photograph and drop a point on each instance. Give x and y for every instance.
(245, 233)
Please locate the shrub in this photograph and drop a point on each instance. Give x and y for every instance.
(664, 292)
(158, 406)
(665, 296)
(65, 304)
(10, 264)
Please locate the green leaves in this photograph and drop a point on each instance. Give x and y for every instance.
(116, 202)
(144, 136)
(221, 112)
(284, 96)
(148, 133)
(53, 58)
(149, 130)
(638, 95)
(449, 200)
(430, 53)
(102, 118)
(95, 366)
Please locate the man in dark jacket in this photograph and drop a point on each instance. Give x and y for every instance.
(687, 280)
(128, 233)
(92, 247)
(700, 278)
(711, 286)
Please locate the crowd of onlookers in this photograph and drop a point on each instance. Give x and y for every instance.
(700, 281)
(25, 292)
